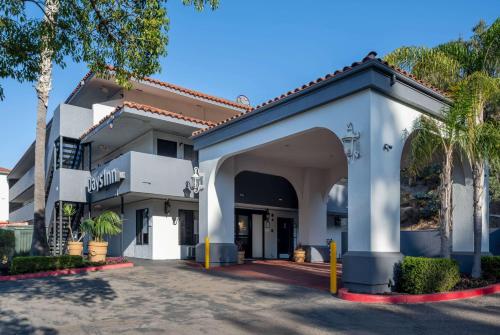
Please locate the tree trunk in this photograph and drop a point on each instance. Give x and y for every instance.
(445, 213)
(39, 244)
(478, 184)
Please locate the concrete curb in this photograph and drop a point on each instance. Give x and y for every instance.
(63, 272)
(417, 298)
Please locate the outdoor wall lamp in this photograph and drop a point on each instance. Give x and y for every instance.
(267, 219)
(351, 143)
(167, 207)
(196, 181)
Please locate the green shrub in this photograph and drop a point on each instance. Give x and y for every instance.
(44, 263)
(419, 275)
(491, 267)
(7, 247)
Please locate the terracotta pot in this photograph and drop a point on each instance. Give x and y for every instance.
(98, 251)
(241, 257)
(75, 248)
(299, 256)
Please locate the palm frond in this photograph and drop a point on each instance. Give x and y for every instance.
(425, 142)
(432, 65)
(69, 210)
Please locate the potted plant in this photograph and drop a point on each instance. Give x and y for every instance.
(75, 246)
(299, 254)
(105, 224)
(241, 252)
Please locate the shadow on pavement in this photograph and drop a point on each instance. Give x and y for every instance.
(10, 323)
(77, 289)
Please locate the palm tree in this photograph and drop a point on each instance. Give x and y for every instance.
(457, 66)
(69, 210)
(433, 136)
(108, 223)
(481, 142)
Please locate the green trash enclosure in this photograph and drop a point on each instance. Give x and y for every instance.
(23, 237)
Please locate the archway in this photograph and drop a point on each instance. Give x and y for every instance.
(312, 162)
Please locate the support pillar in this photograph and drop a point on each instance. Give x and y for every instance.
(463, 224)
(216, 213)
(313, 215)
(374, 215)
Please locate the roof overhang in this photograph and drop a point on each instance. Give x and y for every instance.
(372, 75)
(126, 124)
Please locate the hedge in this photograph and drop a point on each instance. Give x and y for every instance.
(420, 275)
(7, 246)
(32, 264)
(490, 266)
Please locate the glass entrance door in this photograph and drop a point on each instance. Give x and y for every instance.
(242, 233)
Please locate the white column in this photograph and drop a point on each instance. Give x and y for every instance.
(216, 211)
(312, 209)
(463, 212)
(373, 207)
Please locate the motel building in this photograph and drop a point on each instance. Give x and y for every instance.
(321, 162)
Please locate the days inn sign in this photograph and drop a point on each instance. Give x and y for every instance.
(104, 178)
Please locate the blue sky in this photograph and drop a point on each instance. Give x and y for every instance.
(263, 48)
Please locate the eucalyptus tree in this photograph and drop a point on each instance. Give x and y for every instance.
(457, 67)
(35, 35)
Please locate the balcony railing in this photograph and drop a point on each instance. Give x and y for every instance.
(26, 181)
(147, 173)
(22, 214)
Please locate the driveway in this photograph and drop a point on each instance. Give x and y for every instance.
(175, 298)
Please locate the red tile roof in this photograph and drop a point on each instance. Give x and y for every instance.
(4, 170)
(149, 109)
(174, 87)
(372, 56)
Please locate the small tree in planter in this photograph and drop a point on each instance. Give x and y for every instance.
(241, 252)
(107, 223)
(299, 254)
(75, 246)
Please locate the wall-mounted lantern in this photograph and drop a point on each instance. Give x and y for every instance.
(351, 143)
(167, 207)
(196, 181)
(267, 220)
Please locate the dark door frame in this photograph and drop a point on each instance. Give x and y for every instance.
(248, 212)
(291, 244)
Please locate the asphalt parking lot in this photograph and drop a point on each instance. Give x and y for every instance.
(175, 298)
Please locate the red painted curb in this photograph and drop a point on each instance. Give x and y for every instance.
(417, 298)
(63, 272)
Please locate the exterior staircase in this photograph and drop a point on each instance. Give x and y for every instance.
(66, 153)
(58, 230)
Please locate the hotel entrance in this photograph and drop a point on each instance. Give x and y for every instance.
(263, 234)
(249, 232)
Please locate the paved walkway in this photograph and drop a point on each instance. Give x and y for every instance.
(174, 298)
(313, 275)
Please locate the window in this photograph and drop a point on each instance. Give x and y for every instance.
(189, 153)
(188, 229)
(142, 226)
(166, 148)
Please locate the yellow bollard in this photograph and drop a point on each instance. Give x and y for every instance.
(207, 253)
(333, 268)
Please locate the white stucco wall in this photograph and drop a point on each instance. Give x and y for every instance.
(335, 232)
(163, 233)
(4, 198)
(374, 178)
